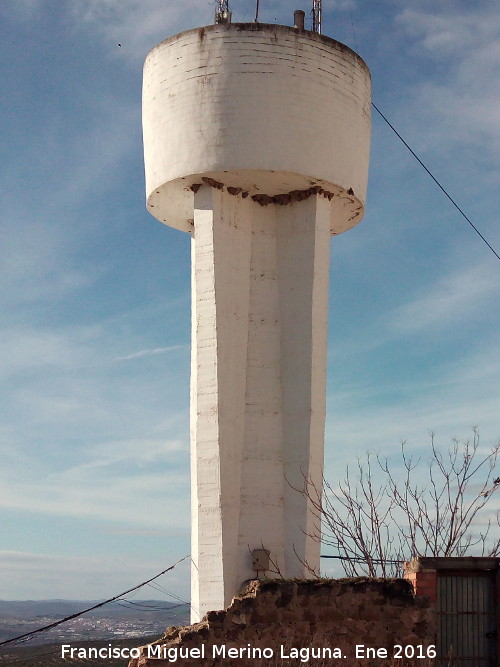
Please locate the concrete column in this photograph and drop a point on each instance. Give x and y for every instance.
(220, 284)
(260, 290)
(304, 261)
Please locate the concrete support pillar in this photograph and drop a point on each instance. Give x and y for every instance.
(260, 291)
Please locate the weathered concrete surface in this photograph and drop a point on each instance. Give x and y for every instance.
(256, 141)
(260, 296)
(263, 107)
(315, 613)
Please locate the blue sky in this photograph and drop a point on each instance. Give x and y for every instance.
(95, 298)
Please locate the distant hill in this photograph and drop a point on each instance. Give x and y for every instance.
(23, 609)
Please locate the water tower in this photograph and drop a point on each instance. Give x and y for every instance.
(256, 142)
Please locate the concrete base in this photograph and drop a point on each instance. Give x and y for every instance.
(259, 331)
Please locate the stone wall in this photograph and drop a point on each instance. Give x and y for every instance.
(325, 619)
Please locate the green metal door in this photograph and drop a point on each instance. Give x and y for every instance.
(466, 624)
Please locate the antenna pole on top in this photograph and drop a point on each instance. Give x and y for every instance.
(222, 13)
(316, 16)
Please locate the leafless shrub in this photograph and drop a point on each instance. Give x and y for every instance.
(381, 514)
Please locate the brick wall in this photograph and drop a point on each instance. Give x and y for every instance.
(424, 583)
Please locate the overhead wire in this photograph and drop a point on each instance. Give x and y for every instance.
(353, 31)
(163, 590)
(459, 209)
(363, 560)
(85, 611)
(151, 607)
(423, 165)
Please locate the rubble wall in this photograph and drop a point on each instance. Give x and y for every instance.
(314, 622)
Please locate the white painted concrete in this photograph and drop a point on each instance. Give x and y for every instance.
(274, 107)
(260, 280)
(269, 110)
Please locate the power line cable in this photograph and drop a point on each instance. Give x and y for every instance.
(149, 607)
(158, 587)
(353, 31)
(422, 164)
(363, 560)
(163, 590)
(85, 611)
(435, 180)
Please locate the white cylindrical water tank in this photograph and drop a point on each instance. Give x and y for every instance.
(266, 108)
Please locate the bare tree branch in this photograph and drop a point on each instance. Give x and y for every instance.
(380, 514)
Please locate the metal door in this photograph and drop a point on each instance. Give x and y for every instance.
(466, 624)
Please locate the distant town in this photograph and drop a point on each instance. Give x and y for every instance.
(121, 619)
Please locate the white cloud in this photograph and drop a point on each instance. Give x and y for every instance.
(41, 243)
(138, 452)
(89, 444)
(456, 297)
(22, 10)
(97, 152)
(25, 575)
(139, 24)
(150, 352)
(449, 32)
(464, 395)
(136, 531)
(25, 349)
(463, 90)
(35, 262)
(150, 497)
(344, 5)
(462, 298)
